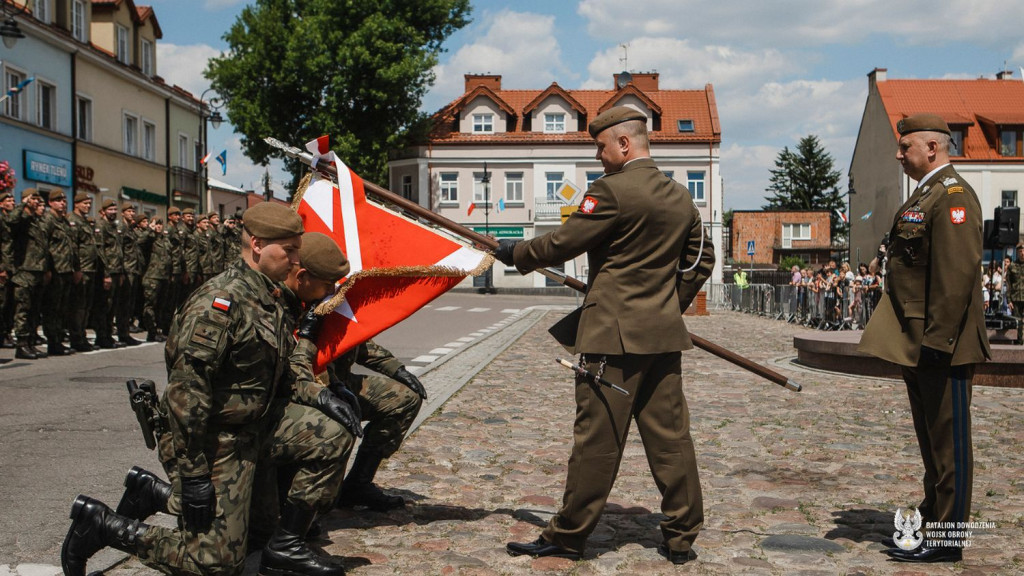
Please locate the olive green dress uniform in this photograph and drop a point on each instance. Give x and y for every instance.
(30, 263)
(635, 226)
(933, 299)
(111, 251)
(64, 263)
(83, 237)
(1014, 278)
(154, 281)
(238, 393)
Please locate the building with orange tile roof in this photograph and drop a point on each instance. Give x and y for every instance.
(539, 157)
(986, 118)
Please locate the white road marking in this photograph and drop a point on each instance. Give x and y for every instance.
(448, 308)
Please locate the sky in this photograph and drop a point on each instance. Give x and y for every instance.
(780, 71)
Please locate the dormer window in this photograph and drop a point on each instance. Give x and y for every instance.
(956, 142)
(123, 56)
(685, 125)
(554, 123)
(483, 123)
(1009, 142)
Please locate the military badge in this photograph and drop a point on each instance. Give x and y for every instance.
(957, 215)
(908, 530)
(955, 190)
(588, 205)
(949, 181)
(913, 216)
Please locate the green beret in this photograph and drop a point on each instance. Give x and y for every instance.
(272, 221)
(108, 203)
(322, 257)
(922, 123)
(188, 210)
(82, 197)
(613, 116)
(57, 194)
(5, 196)
(173, 210)
(127, 206)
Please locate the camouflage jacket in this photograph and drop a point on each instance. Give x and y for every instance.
(215, 253)
(6, 246)
(232, 245)
(159, 267)
(60, 244)
(228, 359)
(368, 354)
(191, 251)
(176, 233)
(130, 248)
(29, 248)
(1014, 278)
(110, 246)
(83, 236)
(203, 253)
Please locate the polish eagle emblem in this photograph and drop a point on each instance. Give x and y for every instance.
(908, 529)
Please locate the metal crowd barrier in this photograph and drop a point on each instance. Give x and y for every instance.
(848, 309)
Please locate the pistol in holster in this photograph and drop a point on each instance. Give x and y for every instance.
(143, 399)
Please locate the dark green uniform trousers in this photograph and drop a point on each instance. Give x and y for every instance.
(656, 402)
(940, 402)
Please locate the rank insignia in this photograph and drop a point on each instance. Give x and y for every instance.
(958, 215)
(949, 181)
(588, 205)
(955, 190)
(913, 216)
(222, 304)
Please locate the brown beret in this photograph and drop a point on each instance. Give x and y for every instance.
(613, 116)
(322, 257)
(28, 193)
(108, 203)
(189, 210)
(5, 196)
(202, 217)
(57, 194)
(212, 214)
(173, 210)
(922, 123)
(82, 197)
(272, 221)
(127, 206)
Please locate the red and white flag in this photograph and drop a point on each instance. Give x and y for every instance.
(398, 265)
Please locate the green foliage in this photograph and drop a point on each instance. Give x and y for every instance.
(356, 71)
(787, 263)
(806, 179)
(727, 219)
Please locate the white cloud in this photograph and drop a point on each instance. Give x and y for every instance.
(213, 5)
(521, 46)
(184, 64)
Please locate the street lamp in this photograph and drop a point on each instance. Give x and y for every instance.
(486, 181)
(215, 119)
(9, 30)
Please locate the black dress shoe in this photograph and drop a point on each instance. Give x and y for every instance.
(676, 557)
(925, 554)
(540, 548)
(83, 346)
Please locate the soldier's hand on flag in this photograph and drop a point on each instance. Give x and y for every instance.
(197, 503)
(309, 324)
(410, 380)
(345, 411)
(504, 252)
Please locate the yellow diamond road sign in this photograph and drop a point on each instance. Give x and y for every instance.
(568, 192)
(567, 211)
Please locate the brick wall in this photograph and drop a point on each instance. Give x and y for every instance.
(765, 229)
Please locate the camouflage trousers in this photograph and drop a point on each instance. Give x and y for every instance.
(154, 291)
(80, 305)
(389, 408)
(26, 304)
(1018, 313)
(292, 434)
(57, 296)
(124, 304)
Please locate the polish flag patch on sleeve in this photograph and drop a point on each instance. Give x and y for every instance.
(957, 215)
(221, 304)
(588, 205)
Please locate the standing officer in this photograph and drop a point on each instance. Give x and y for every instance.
(83, 237)
(31, 265)
(191, 251)
(179, 278)
(231, 390)
(6, 269)
(637, 226)
(66, 270)
(216, 243)
(154, 281)
(1014, 279)
(930, 320)
(111, 251)
(125, 304)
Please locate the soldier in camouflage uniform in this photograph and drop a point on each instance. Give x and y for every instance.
(238, 393)
(125, 304)
(230, 231)
(83, 237)
(66, 270)
(1014, 279)
(216, 241)
(111, 251)
(207, 266)
(176, 284)
(154, 281)
(30, 263)
(193, 272)
(6, 268)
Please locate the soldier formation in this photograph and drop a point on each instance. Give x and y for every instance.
(118, 272)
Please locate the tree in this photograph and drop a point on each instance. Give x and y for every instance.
(356, 71)
(806, 179)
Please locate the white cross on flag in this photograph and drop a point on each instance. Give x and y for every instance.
(398, 265)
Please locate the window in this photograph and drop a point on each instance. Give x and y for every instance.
(695, 182)
(592, 177)
(792, 232)
(123, 55)
(1009, 143)
(15, 105)
(481, 193)
(956, 144)
(553, 181)
(149, 141)
(685, 125)
(407, 187)
(483, 123)
(668, 173)
(83, 111)
(131, 135)
(554, 123)
(449, 188)
(1009, 199)
(41, 10)
(183, 150)
(46, 108)
(147, 57)
(78, 28)
(514, 187)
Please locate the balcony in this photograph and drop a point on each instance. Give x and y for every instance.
(184, 181)
(547, 210)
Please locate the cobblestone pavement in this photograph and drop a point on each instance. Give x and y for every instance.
(794, 483)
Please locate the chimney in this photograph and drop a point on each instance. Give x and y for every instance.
(492, 81)
(875, 76)
(645, 81)
(1004, 75)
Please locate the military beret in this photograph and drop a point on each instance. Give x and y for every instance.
(202, 217)
(28, 193)
(82, 197)
(212, 214)
(108, 203)
(127, 206)
(922, 123)
(57, 194)
(5, 196)
(189, 210)
(272, 221)
(322, 258)
(173, 210)
(613, 116)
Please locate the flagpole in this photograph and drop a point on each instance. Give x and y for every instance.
(327, 169)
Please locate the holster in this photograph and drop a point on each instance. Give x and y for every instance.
(143, 399)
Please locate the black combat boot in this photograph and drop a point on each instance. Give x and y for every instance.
(359, 489)
(287, 554)
(155, 336)
(144, 495)
(127, 339)
(57, 348)
(93, 527)
(26, 352)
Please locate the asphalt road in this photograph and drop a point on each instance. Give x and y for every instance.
(66, 428)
